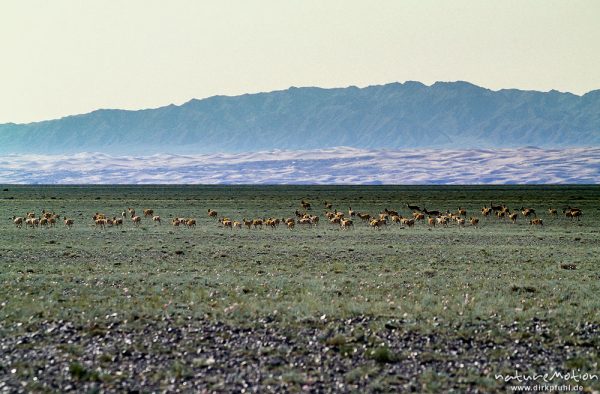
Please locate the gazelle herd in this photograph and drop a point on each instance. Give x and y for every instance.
(432, 218)
(345, 220)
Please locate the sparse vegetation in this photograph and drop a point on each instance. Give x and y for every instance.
(313, 307)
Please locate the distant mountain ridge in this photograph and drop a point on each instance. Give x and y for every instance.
(392, 116)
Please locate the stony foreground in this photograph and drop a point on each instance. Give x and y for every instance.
(357, 354)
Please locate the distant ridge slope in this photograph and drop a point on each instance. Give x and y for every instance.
(392, 116)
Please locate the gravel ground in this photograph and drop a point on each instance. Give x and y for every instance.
(188, 355)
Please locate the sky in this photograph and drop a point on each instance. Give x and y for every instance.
(65, 57)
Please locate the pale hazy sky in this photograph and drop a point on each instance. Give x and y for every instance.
(65, 57)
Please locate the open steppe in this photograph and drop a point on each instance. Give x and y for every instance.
(158, 307)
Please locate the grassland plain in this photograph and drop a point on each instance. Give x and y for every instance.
(155, 308)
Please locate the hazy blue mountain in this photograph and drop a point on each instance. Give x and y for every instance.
(392, 116)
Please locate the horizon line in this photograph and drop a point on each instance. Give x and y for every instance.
(296, 87)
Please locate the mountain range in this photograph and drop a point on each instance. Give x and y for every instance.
(450, 115)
